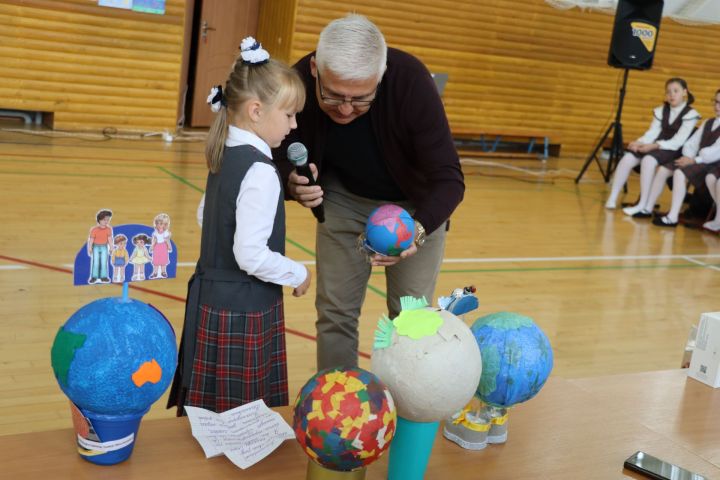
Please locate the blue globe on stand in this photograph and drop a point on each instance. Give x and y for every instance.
(389, 230)
(113, 358)
(516, 358)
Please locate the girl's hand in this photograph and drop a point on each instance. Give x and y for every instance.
(684, 161)
(633, 146)
(649, 147)
(302, 289)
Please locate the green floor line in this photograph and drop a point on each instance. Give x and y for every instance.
(182, 180)
(301, 247)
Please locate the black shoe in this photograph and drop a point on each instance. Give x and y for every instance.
(642, 214)
(664, 222)
(94, 280)
(104, 280)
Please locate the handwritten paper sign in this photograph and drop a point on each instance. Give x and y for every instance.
(245, 434)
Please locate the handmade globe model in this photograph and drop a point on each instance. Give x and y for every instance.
(429, 360)
(344, 418)
(516, 358)
(389, 230)
(115, 356)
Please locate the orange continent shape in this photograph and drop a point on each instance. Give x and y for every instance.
(148, 372)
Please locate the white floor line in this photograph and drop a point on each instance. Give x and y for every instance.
(698, 262)
(598, 258)
(13, 267)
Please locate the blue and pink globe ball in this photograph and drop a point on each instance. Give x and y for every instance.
(389, 230)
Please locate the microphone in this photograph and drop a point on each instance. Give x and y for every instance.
(297, 154)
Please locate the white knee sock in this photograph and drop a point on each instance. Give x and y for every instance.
(647, 174)
(622, 173)
(678, 195)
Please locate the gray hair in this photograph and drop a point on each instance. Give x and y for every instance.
(353, 48)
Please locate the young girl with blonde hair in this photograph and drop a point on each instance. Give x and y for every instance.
(233, 345)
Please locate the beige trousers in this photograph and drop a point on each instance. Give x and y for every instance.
(343, 273)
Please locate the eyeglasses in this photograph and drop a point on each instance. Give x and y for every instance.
(360, 102)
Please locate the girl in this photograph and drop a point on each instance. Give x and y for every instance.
(698, 157)
(119, 258)
(140, 256)
(233, 346)
(713, 184)
(161, 246)
(672, 124)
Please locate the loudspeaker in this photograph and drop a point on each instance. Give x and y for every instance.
(635, 33)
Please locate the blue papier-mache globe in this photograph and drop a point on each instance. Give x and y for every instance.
(115, 356)
(516, 358)
(389, 230)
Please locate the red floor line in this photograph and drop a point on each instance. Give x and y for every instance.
(292, 331)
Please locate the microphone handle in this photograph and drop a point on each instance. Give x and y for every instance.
(304, 171)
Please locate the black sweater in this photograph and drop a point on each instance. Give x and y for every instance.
(412, 133)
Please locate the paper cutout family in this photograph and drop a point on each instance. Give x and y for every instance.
(149, 250)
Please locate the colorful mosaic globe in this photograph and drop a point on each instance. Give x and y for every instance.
(115, 357)
(516, 357)
(389, 230)
(344, 418)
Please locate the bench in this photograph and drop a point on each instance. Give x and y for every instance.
(476, 143)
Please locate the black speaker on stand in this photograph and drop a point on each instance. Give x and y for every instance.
(632, 46)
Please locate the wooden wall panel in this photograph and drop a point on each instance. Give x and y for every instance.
(526, 65)
(94, 67)
(276, 26)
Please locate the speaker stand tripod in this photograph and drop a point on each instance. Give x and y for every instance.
(616, 148)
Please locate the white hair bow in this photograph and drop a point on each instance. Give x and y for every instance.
(252, 52)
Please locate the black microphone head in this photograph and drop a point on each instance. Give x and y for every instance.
(297, 154)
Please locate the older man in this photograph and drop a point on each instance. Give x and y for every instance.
(376, 130)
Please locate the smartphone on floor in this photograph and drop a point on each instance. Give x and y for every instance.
(657, 469)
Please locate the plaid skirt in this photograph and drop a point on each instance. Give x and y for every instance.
(239, 357)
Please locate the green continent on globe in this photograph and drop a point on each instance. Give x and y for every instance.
(507, 321)
(63, 352)
(490, 370)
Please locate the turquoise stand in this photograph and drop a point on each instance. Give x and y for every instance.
(410, 449)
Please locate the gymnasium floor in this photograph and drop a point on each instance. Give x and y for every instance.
(613, 294)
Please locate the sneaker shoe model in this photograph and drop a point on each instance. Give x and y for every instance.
(467, 430)
(105, 280)
(497, 418)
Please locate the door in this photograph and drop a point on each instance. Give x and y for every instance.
(221, 27)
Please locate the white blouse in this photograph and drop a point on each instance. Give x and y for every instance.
(255, 209)
(676, 142)
(709, 154)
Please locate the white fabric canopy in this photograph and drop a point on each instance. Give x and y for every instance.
(695, 12)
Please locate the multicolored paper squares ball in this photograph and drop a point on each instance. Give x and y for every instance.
(344, 418)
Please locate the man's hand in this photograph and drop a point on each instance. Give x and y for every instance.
(308, 196)
(378, 260)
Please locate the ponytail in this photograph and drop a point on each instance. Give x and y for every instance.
(216, 141)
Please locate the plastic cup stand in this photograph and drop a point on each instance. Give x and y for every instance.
(410, 449)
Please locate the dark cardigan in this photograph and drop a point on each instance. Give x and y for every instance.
(412, 131)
